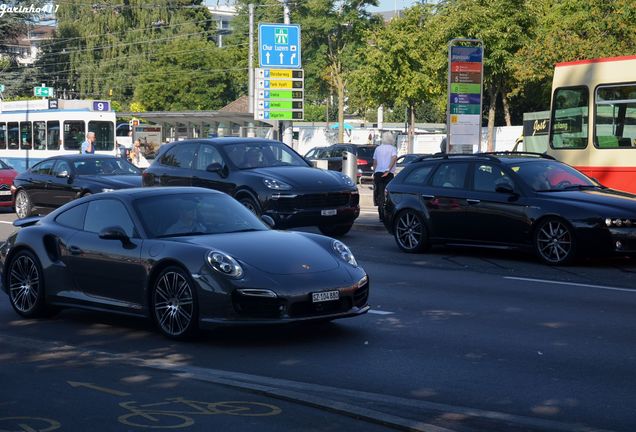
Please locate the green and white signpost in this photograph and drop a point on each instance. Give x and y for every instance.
(465, 84)
(43, 91)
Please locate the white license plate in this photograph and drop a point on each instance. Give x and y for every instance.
(330, 212)
(325, 296)
(5, 192)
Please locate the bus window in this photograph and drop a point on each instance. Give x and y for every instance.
(73, 134)
(104, 134)
(13, 135)
(53, 135)
(615, 125)
(3, 135)
(39, 135)
(569, 118)
(25, 135)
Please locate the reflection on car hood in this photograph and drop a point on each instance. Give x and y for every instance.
(278, 252)
(114, 181)
(305, 178)
(603, 197)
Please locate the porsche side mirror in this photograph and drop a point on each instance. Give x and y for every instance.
(268, 220)
(114, 233)
(504, 188)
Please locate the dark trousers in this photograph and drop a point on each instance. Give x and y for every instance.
(379, 184)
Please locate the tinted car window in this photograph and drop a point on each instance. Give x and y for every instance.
(73, 217)
(262, 154)
(108, 213)
(488, 176)
(208, 155)
(366, 152)
(450, 175)
(418, 175)
(60, 167)
(180, 155)
(44, 167)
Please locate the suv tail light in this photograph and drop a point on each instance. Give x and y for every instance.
(362, 162)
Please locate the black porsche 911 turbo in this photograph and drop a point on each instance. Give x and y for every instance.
(57, 180)
(184, 257)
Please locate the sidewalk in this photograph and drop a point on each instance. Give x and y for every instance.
(368, 219)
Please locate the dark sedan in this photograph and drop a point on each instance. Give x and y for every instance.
(332, 156)
(57, 180)
(184, 257)
(508, 200)
(266, 176)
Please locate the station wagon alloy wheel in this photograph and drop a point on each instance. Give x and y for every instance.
(25, 287)
(410, 232)
(554, 242)
(173, 303)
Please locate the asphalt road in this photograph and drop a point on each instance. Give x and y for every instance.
(459, 340)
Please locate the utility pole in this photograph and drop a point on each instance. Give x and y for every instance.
(288, 132)
(250, 85)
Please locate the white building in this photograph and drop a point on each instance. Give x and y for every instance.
(223, 15)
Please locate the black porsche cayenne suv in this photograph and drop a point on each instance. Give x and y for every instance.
(266, 176)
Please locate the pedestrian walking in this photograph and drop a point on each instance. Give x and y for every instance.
(384, 158)
(136, 156)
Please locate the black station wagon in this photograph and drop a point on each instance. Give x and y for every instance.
(266, 176)
(508, 200)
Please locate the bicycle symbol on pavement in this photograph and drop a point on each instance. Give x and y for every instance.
(157, 416)
(27, 424)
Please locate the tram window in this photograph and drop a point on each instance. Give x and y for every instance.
(73, 134)
(13, 135)
(615, 125)
(104, 134)
(569, 118)
(3, 135)
(39, 135)
(53, 135)
(26, 136)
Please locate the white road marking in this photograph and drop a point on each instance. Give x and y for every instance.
(6, 222)
(378, 312)
(570, 283)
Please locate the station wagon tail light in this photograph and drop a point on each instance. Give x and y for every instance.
(225, 264)
(618, 222)
(344, 252)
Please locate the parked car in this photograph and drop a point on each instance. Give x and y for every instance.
(130, 252)
(406, 159)
(7, 174)
(508, 200)
(333, 155)
(57, 180)
(266, 176)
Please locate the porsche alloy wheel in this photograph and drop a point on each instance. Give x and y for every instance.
(23, 204)
(26, 286)
(174, 304)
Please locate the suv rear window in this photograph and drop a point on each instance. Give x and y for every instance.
(366, 152)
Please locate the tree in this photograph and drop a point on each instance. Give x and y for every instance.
(398, 67)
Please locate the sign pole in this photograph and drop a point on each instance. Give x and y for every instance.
(465, 95)
(288, 131)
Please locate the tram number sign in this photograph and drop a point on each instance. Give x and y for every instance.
(101, 106)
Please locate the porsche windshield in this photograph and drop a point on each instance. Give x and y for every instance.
(194, 214)
(262, 155)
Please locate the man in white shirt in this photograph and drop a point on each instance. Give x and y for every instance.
(384, 158)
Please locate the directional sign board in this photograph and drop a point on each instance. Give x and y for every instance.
(279, 46)
(43, 91)
(465, 74)
(279, 94)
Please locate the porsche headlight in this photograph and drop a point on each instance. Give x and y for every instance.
(344, 252)
(276, 184)
(346, 179)
(225, 264)
(107, 190)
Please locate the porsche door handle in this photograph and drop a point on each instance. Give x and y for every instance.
(473, 201)
(428, 197)
(74, 250)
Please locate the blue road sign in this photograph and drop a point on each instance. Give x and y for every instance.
(279, 46)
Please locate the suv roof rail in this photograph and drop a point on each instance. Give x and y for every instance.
(454, 155)
(517, 153)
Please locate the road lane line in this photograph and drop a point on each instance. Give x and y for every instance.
(378, 312)
(570, 283)
(6, 222)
